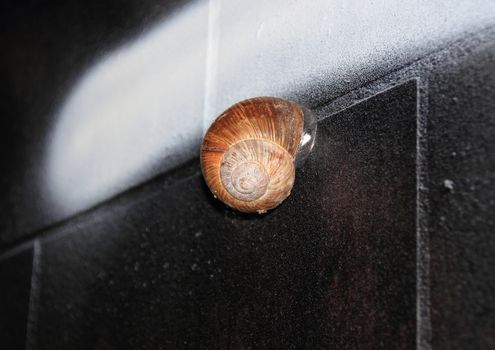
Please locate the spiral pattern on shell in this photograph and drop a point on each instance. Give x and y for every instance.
(247, 155)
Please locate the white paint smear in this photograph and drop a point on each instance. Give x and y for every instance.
(142, 109)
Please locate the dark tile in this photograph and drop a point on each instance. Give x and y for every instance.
(15, 286)
(333, 267)
(462, 198)
(363, 183)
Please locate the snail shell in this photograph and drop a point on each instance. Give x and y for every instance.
(248, 153)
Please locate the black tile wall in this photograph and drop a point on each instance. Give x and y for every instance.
(166, 266)
(333, 267)
(15, 286)
(461, 166)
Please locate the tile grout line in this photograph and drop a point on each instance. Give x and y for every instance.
(32, 319)
(423, 302)
(211, 62)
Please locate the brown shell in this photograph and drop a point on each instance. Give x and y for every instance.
(247, 155)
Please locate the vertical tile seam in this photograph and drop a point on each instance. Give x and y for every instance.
(32, 319)
(211, 62)
(423, 303)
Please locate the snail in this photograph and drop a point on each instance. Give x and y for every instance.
(249, 153)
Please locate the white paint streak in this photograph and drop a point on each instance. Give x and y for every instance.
(142, 109)
(134, 114)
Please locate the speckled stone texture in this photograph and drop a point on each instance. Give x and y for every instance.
(385, 243)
